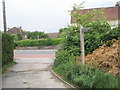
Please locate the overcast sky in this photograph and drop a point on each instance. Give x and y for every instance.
(44, 15)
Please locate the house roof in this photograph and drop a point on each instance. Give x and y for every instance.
(53, 35)
(111, 13)
(16, 30)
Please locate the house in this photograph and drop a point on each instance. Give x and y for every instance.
(112, 14)
(53, 35)
(19, 30)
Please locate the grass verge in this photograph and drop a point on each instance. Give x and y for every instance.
(6, 67)
(63, 78)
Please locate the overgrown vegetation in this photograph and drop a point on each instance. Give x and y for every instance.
(85, 76)
(6, 67)
(0, 52)
(7, 49)
(66, 64)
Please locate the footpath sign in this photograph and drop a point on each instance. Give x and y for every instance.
(82, 30)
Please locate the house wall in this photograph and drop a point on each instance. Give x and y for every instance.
(112, 15)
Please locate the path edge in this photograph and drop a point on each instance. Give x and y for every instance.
(61, 79)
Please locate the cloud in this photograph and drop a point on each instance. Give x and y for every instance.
(48, 15)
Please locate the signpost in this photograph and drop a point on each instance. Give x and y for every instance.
(82, 30)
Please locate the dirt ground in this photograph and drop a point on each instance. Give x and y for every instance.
(106, 57)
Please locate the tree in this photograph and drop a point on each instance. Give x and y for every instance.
(93, 38)
(34, 35)
(19, 35)
(88, 18)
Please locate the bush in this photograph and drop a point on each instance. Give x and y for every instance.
(95, 37)
(83, 76)
(112, 34)
(42, 42)
(7, 49)
(0, 51)
(100, 32)
(34, 35)
(92, 77)
(19, 36)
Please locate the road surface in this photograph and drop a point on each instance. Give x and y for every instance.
(32, 70)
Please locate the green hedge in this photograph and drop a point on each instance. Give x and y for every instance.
(87, 77)
(95, 37)
(41, 42)
(0, 52)
(7, 49)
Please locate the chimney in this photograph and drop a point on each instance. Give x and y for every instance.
(21, 27)
(117, 4)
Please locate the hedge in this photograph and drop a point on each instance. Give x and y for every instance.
(0, 52)
(7, 49)
(41, 42)
(66, 65)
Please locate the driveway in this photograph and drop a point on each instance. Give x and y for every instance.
(32, 70)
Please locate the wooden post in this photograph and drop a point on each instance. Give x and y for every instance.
(4, 17)
(82, 30)
(82, 46)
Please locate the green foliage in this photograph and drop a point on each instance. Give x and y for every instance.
(41, 42)
(0, 51)
(19, 35)
(71, 43)
(35, 34)
(82, 76)
(100, 32)
(6, 66)
(92, 77)
(104, 80)
(112, 34)
(108, 44)
(62, 57)
(89, 17)
(7, 49)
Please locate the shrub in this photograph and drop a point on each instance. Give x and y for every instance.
(7, 49)
(0, 51)
(92, 77)
(34, 35)
(95, 37)
(41, 42)
(100, 32)
(85, 76)
(61, 57)
(112, 34)
(19, 36)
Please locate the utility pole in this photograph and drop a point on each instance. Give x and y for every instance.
(4, 17)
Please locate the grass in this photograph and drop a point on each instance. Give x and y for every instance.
(6, 67)
(65, 79)
(107, 78)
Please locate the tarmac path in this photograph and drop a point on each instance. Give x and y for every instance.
(32, 70)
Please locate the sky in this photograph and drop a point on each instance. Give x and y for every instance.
(44, 15)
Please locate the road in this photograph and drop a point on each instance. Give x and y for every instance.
(32, 70)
